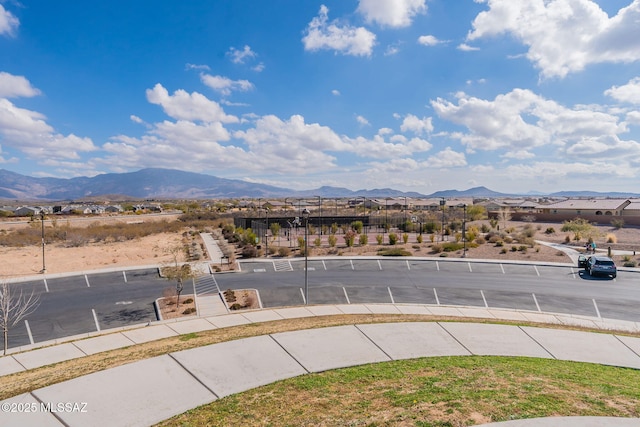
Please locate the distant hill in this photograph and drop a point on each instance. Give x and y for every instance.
(155, 183)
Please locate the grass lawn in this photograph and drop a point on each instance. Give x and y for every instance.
(443, 391)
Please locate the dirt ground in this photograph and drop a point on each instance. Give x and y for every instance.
(152, 250)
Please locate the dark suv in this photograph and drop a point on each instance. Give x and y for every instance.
(597, 264)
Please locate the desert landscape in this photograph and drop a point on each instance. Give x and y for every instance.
(156, 249)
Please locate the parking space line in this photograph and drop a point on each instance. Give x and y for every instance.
(303, 298)
(352, 267)
(324, 265)
(408, 265)
(46, 287)
(435, 293)
(469, 264)
(26, 323)
(484, 299)
(596, 306)
(86, 279)
(536, 301)
(391, 295)
(437, 266)
(573, 273)
(536, 268)
(379, 265)
(502, 268)
(345, 295)
(124, 274)
(95, 319)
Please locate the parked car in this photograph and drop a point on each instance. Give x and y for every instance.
(598, 265)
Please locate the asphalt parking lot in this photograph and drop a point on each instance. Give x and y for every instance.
(79, 304)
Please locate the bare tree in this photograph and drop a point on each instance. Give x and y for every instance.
(14, 306)
(504, 216)
(178, 272)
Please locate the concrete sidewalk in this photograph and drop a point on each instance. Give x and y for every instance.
(201, 375)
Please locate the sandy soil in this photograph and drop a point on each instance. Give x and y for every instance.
(152, 250)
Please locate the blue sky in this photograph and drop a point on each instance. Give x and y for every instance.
(416, 95)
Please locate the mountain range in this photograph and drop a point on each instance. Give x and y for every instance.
(155, 183)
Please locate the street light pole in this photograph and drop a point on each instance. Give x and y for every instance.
(44, 267)
(464, 233)
(443, 203)
(306, 256)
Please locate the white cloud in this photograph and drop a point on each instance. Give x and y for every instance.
(362, 121)
(335, 92)
(391, 50)
(378, 148)
(225, 85)
(240, 56)
(633, 117)
(8, 23)
(259, 68)
(391, 13)
(184, 106)
(466, 48)
(332, 36)
(196, 67)
(15, 86)
(447, 158)
(520, 122)
(626, 93)
(416, 125)
(429, 40)
(136, 119)
(563, 36)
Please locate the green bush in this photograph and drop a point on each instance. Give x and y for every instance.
(394, 252)
(363, 239)
(379, 239)
(393, 238)
(333, 240)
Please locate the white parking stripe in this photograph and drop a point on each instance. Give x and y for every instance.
(436, 295)
(537, 272)
(379, 265)
(437, 266)
(124, 274)
(303, 298)
(573, 272)
(502, 268)
(345, 295)
(469, 264)
(324, 265)
(86, 279)
(390, 295)
(484, 299)
(536, 301)
(352, 267)
(95, 319)
(596, 306)
(408, 265)
(46, 287)
(26, 323)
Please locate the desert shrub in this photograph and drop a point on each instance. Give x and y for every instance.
(436, 249)
(480, 240)
(229, 295)
(507, 239)
(249, 251)
(452, 246)
(611, 238)
(363, 239)
(417, 247)
(317, 242)
(393, 238)
(493, 237)
(334, 228)
(444, 255)
(419, 238)
(485, 228)
(514, 249)
(394, 252)
(380, 239)
(283, 251)
(357, 226)
(567, 239)
(528, 231)
(189, 310)
(617, 223)
(405, 238)
(550, 230)
(430, 227)
(235, 306)
(522, 248)
(188, 301)
(333, 240)
(349, 238)
(503, 251)
(301, 242)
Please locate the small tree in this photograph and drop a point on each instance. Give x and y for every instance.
(275, 230)
(13, 308)
(177, 272)
(349, 238)
(357, 226)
